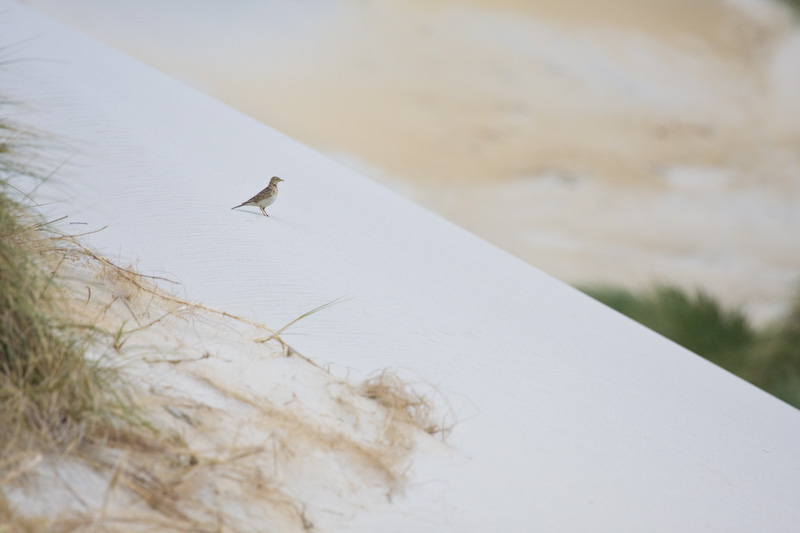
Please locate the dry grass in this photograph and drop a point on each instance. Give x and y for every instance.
(80, 338)
(174, 477)
(404, 404)
(52, 396)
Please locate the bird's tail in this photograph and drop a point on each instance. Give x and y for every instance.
(238, 206)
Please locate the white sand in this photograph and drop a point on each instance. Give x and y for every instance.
(577, 135)
(570, 417)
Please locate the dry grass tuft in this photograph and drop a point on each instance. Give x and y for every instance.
(404, 404)
(368, 432)
(299, 435)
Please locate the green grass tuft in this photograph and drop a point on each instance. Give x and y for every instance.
(794, 4)
(775, 364)
(51, 396)
(50, 393)
(768, 357)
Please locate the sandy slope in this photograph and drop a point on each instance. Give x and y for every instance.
(251, 435)
(602, 140)
(569, 416)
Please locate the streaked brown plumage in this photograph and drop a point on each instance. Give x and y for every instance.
(265, 197)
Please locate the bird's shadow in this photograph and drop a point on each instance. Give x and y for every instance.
(257, 214)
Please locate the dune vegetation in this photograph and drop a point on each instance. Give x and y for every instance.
(52, 395)
(83, 343)
(794, 4)
(768, 356)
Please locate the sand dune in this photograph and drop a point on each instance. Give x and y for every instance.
(568, 416)
(604, 140)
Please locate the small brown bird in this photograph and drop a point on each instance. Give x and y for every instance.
(265, 197)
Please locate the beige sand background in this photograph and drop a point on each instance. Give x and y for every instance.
(619, 141)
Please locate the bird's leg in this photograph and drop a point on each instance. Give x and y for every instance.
(262, 210)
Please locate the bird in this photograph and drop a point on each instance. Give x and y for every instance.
(265, 197)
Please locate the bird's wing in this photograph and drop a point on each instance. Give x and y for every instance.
(260, 196)
(267, 192)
